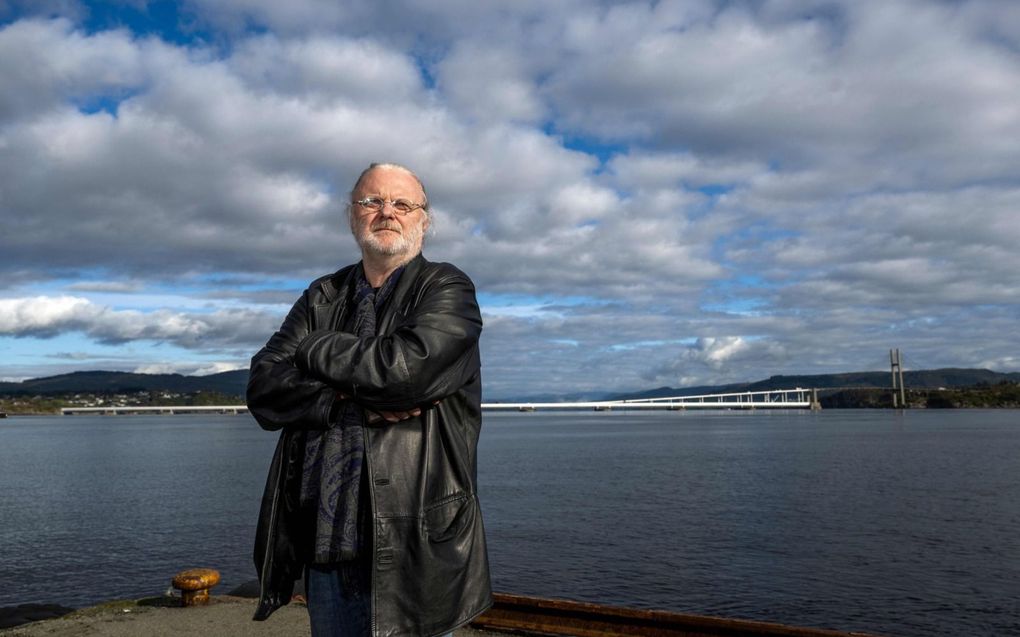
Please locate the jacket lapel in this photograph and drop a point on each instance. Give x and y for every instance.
(392, 312)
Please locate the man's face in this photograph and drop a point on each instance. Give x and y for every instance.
(385, 233)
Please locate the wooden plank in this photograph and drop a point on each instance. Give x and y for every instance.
(541, 616)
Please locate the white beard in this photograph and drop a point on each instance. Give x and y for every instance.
(407, 244)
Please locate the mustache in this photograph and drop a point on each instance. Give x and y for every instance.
(387, 225)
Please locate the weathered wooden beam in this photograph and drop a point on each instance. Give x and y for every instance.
(536, 615)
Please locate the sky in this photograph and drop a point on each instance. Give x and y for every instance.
(644, 193)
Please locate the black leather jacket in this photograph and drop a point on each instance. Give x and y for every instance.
(430, 569)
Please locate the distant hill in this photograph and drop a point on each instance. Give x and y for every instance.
(234, 383)
(231, 383)
(920, 379)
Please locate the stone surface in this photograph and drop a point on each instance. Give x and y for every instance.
(159, 617)
(225, 616)
(23, 613)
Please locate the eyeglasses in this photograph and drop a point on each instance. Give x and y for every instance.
(400, 206)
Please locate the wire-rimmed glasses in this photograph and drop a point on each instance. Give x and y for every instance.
(400, 206)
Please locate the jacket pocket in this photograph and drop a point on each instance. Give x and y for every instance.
(445, 519)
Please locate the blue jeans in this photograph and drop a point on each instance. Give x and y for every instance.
(339, 599)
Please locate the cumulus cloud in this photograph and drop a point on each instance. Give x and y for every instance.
(674, 192)
(107, 286)
(188, 369)
(728, 354)
(805, 91)
(486, 83)
(42, 316)
(45, 317)
(72, 356)
(48, 63)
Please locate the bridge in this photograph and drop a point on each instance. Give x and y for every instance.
(774, 399)
(166, 410)
(798, 398)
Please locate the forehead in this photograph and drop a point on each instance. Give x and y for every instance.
(392, 182)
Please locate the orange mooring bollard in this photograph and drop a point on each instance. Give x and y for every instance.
(194, 585)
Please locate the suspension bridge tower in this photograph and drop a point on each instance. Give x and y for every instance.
(899, 394)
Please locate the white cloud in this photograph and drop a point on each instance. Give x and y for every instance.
(327, 68)
(723, 358)
(845, 170)
(120, 287)
(188, 369)
(670, 170)
(799, 91)
(43, 64)
(43, 317)
(489, 84)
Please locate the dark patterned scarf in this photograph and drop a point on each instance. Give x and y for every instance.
(331, 480)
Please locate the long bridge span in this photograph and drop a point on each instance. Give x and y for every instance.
(774, 399)
(798, 398)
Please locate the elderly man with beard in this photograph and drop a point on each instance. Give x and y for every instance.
(374, 381)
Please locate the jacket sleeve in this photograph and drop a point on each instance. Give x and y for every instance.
(281, 395)
(429, 355)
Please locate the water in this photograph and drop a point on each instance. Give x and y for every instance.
(899, 524)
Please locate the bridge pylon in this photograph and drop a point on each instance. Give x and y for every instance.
(899, 395)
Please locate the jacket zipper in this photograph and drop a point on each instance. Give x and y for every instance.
(375, 541)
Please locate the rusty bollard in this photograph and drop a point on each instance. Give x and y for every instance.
(194, 585)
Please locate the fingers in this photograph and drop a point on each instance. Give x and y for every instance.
(394, 416)
(397, 416)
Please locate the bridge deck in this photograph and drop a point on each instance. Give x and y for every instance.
(778, 399)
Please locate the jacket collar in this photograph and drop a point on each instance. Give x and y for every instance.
(341, 281)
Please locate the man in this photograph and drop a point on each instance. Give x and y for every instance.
(374, 380)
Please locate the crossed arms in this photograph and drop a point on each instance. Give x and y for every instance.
(300, 378)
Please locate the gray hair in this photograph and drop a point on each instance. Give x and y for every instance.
(392, 166)
(427, 208)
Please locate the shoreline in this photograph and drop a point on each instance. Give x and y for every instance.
(225, 615)
(22, 614)
(1009, 407)
(230, 615)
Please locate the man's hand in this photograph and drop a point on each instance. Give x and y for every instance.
(388, 416)
(392, 416)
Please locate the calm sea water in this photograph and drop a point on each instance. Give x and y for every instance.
(899, 524)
